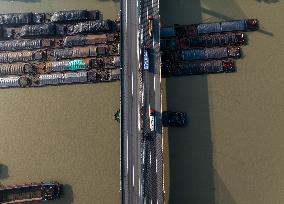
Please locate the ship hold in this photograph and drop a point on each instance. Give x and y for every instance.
(24, 44)
(75, 15)
(16, 69)
(99, 26)
(197, 68)
(38, 30)
(29, 193)
(9, 57)
(225, 26)
(210, 53)
(16, 18)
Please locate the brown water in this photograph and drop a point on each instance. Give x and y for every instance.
(232, 150)
(62, 133)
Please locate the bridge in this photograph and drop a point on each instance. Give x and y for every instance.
(141, 159)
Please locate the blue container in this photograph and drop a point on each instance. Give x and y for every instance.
(204, 53)
(209, 28)
(167, 32)
(233, 26)
(194, 54)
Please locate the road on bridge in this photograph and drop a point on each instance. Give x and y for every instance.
(130, 104)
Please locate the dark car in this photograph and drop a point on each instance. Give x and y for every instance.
(174, 119)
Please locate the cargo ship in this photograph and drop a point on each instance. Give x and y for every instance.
(52, 29)
(197, 68)
(214, 40)
(209, 28)
(60, 78)
(29, 193)
(58, 17)
(59, 42)
(64, 47)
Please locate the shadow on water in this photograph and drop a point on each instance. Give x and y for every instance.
(25, 1)
(67, 196)
(222, 193)
(190, 148)
(110, 0)
(232, 11)
(4, 173)
(268, 1)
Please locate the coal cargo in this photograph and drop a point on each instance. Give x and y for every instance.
(15, 45)
(209, 28)
(10, 81)
(240, 25)
(38, 30)
(63, 78)
(214, 40)
(16, 69)
(8, 57)
(197, 68)
(39, 18)
(82, 40)
(228, 26)
(67, 53)
(16, 18)
(77, 52)
(98, 26)
(210, 53)
(207, 67)
(75, 15)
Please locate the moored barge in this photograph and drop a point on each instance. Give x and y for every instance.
(197, 68)
(29, 193)
(208, 28)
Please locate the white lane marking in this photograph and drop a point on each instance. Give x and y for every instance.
(133, 176)
(150, 158)
(139, 122)
(126, 12)
(151, 201)
(156, 165)
(139, 187)
(127, 152)
(132, 82)
(154, 82)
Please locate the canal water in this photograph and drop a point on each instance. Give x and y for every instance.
(66, 133)
(232, 151)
